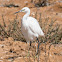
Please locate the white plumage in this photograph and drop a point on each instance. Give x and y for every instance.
(31, 29)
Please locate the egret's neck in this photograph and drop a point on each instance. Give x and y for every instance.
(26, 15)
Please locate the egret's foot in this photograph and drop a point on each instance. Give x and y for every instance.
(37, 52)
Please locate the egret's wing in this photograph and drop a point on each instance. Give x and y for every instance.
(34, 26)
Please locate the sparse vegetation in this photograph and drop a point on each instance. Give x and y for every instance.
(13, 30)
(52, 30)
(40, 3)
(53, 33)
(11, 5)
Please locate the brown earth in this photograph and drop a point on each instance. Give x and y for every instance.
(17, 51)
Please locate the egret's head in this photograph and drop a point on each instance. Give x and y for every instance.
(25, 9)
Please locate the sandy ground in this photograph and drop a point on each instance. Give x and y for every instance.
(17, 51)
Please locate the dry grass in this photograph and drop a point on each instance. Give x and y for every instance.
(10, 5)
(52, 30)
(13, 30)
(40, 3)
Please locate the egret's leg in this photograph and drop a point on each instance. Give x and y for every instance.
(38, 46)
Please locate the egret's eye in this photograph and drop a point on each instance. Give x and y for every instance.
(23, 10)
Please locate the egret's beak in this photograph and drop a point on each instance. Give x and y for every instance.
(18, 11)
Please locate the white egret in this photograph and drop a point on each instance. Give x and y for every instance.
(30, 27)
